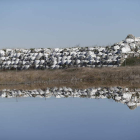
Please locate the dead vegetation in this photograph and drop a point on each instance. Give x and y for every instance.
(82, 73)
(73, 77)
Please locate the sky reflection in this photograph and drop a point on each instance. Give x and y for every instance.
(67, 118)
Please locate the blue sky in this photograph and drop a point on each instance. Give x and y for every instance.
(59, 23)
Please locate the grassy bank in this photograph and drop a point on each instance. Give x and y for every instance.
(71, 77)
(119, 73)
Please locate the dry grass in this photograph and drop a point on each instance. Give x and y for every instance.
(96, 73)
(79, 85)
(121, 76)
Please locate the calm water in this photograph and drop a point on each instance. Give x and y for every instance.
(67, 119)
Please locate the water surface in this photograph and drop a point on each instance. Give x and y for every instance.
(67, 118)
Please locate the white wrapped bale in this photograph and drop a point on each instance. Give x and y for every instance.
(126, 49)
(12, 62)
(36, 66)
(27, 67)
(42, 62)
(117, 98)
(15, 66)
(78, 61)
(37, 62)
(137, 39)
(129, 40)
(32, 58)
(2, 58)
(117, 47)
(131, 104)
(23, 62)
(132, 46)
(39, 56)
(18, 55)
(63, 62)
(68, 62)
(2, 53)
(8, 62)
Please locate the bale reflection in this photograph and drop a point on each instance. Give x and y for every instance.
(130, 97)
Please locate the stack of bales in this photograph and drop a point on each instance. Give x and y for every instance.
(45, 58)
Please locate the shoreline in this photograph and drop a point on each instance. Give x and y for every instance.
(73, 77)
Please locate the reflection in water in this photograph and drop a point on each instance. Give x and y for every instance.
(130, 97)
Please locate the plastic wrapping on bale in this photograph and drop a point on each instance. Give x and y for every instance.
(69, 57)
